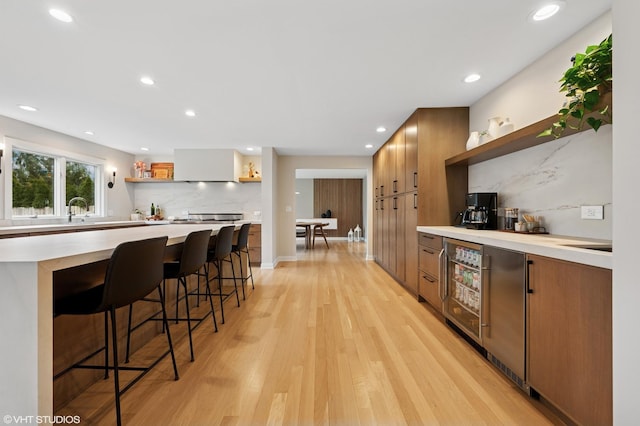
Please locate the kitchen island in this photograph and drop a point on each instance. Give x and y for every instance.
(26, 304)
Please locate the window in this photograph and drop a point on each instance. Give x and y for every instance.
(43, 183)
(33, 184)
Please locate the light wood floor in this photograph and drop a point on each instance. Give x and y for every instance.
(330, 339)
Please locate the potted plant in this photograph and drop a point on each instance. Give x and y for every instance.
(586, 83)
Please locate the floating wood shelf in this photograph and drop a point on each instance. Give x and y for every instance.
(250, 179)
(518, 140)
(147, 180)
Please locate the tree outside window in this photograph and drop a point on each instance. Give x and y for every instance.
(34, 184)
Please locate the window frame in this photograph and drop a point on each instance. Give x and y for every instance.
(59, 182)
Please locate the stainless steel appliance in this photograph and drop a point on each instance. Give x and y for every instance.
(482, 211)
(211, 218)
(484, 297)
(503, 323)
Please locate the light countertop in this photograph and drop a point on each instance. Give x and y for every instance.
(555, 246)
(56, 246)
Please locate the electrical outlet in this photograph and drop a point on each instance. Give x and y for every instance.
(592, 212)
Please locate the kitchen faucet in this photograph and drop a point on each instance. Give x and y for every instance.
(86, 205)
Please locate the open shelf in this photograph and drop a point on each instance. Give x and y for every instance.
(146, 180)
(518, 140)
(250, 179)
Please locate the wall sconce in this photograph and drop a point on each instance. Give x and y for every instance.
(1, 154)
(112, 180)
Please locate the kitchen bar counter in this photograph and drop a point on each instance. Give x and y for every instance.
(549, 245)
(18, 230)
(26, 304)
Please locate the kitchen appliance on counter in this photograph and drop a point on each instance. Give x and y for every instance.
(482, 211)
(211, 218)
(484, 298)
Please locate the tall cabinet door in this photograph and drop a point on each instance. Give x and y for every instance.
(398, 182)
(399, 246)
(569, 338)
(411, 153)
(442, 133)
(411, 241)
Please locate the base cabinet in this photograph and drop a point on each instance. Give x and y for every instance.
(255, 243)
(569, 338)
(429, 257)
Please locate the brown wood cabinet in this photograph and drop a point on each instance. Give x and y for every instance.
(412, 186)
(569, 338)
(429, 249)
(255, 243)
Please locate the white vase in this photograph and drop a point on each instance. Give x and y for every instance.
(473, 141)
(505, 128)
(494, 126)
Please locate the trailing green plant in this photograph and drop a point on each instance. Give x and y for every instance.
(585, 84)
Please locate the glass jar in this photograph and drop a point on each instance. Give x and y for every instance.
(510, 218)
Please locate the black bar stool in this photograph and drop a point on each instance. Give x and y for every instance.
(240, 247)
(220, 252)
(134, 271)
(192, 260)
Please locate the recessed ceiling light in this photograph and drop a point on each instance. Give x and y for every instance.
(88, 132)
(368, 146)
(547, 11)
(28, 108)
(471, 78)
(144, 148)
(147, 81)
(190, 113)
(60, 15)
(297, 192)
(249, 149)
(381, 129)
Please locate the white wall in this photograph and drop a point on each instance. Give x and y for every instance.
(285, 207)
(270, 200)
(118, 200)
(304, 198)
(626, 234)
(551, 180)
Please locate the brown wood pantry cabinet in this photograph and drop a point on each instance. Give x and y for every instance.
(412, 186)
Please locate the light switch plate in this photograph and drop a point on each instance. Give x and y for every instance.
(592, 212)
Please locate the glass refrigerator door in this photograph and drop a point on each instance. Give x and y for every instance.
(464, 286)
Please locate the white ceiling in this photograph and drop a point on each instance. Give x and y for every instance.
(308, 78)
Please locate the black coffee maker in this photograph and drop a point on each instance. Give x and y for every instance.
(482, 211)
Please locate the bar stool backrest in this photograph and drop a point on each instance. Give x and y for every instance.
(243, 236)
(224, 242)
(134, 271)
(194, 252)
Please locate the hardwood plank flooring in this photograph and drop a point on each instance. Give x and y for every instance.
(329, 339)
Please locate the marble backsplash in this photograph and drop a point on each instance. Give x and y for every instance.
(200, 197)
(554, 180)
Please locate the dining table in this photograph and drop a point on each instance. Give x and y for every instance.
(307, 225)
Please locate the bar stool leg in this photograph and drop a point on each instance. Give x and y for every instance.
(165, 323)
(242, 278)
(106, 345)
(116, 376)
(183, 281)
(213, 313)
(126, 360)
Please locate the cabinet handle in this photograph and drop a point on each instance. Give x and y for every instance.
(529, 289)
(415, 179)
(381, 204)
(395, 203)
(442, 276)
(395, 186)
(415, 201)
(382, 190)
(428, 251)
(428, 278)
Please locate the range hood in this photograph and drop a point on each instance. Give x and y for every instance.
(207, 165)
